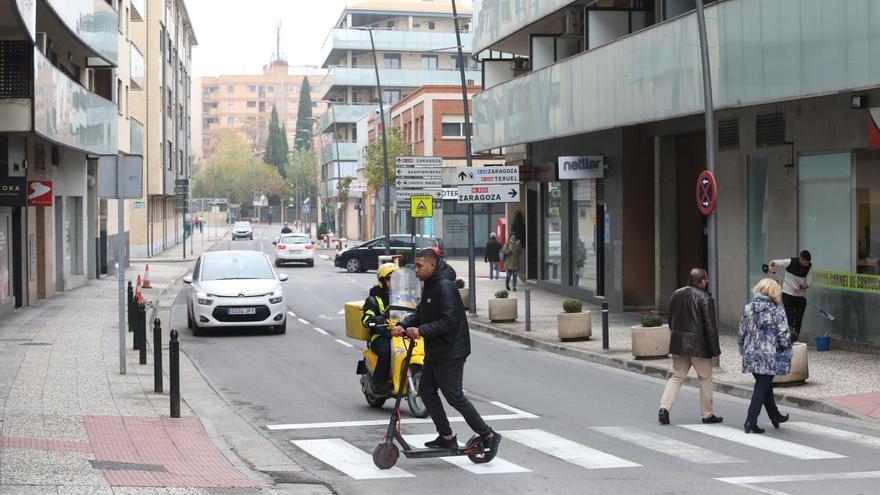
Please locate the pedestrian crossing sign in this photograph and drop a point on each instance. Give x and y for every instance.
(422, 206)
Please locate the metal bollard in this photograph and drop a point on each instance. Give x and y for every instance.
(142, 345)
(136, 326)
(605, 326)
(528, 309)
(130, 307)
(157, 356)
(174, 373)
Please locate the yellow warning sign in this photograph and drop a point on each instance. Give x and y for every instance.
(422, 206)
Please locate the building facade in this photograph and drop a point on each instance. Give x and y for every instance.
(415, 45)
(601, 105)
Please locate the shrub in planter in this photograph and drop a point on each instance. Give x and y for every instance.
(651, 320)
(502, 294)
(459, 283)
(502, 308)
(572, 306)
(574, 323)
(464, 293)
(650, 340)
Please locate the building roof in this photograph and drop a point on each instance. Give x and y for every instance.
(425, 6)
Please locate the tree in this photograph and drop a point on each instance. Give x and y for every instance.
(302, 175)
(234, 173)
(303, 138)
(276, 147)
(375, 166)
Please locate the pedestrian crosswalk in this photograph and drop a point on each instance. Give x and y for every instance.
(718, 444)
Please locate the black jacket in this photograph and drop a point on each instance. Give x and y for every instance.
(376, 311)
(286, 230)
(441, 318)
(493, 251)
(692, 322)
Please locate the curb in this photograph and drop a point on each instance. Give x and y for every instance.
(736, 390)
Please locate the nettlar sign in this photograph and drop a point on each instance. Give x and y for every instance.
(581, 167)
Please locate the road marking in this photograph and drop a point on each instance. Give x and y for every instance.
(497, 466)
(666, 445)
(346, 344)
(522, 414)
(568, 451)
(750, 481)
(764, 442)
(292, 314)
(304, 322)
(324, 256)
(321, 331)
(345, 457)
(384, 422)
(350, 279)
(828, 432)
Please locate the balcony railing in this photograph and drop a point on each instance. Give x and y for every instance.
(345, 113)
(498, 19)
(137, 137)
(94, 22)
(393, 40)
(69, 114)
(347, 151)
(397, 78)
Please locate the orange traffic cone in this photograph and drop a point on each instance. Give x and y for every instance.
(147, 277)
(140, 296)
(138, 284)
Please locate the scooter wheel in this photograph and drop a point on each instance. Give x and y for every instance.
(385, 455)
(485, 455)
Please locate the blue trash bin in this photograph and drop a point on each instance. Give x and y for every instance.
(823, 343)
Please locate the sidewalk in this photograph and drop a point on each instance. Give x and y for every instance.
(71, 423)
(840, 382)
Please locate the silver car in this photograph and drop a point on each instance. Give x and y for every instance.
(235, 289)
(241, 230)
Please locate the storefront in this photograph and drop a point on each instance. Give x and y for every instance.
(455, 227)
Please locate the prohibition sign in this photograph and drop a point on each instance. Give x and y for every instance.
(707, 193)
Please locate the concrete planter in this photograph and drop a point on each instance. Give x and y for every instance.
(574, 326)
(502, 309)
(800, 368)
(465, 296)
(650, 342)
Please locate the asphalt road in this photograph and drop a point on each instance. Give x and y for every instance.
(569, 426)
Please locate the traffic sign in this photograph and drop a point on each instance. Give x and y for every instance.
(490, 193)
(481, 175)
(405, 194)
(418, 182)
(421, 206)
(419, 171)
(707, 193)
(405, 204)
(419, 161)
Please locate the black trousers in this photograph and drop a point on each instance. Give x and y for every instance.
(794, 313)
(762, 395)
(382, 347)
(447, 376)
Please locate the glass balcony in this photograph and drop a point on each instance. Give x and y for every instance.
(392, 40)
(347, 151)
(94, 22)
(137, 137)
(397, 78)
(137, 68)
(345, 113)
(27, 10)
(498, 19)
(71, 115)
(761, 51)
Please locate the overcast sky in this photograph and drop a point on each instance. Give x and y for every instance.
(238, 37)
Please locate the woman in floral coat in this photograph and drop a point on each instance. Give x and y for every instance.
(765, 345)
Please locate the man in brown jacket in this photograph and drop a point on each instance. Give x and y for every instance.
(694, 343)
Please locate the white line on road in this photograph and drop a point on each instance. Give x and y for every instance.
(324, 256)
(828, 432)
(321, 331)
(347, 458)
(666, 445)
(497, 466)
(750, 481)
(346, 344)
(381, 422)
(292, 314)
(304, 322)
(520, 412)
(764, 442)
(568, 451)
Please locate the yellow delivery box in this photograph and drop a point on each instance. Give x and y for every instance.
(354, 325)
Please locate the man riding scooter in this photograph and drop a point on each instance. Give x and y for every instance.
(441, 320)
(376, 319)
(286, 229)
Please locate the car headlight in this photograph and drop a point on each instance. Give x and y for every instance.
(203, 299)
(276, 297)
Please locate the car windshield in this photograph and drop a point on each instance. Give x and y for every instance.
(242, 225)
(294, 239)
(236, 266)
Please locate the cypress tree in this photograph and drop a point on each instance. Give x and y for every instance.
(276, 150)
(302, 138)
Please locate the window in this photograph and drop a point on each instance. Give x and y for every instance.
(432, 25)
(552, 235)
(252, 88)
(230, 89)
(390, 96)
(169, 155)
(453, 127)
(119, 96)
(271, 89)
(230, 104)
(230, 120)
(429, 62)
(392, 60)
(390, 24)
(354, 61)
(583, 235)
(252, 104)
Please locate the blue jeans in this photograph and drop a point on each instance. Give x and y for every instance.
(495, 268)
(510, 274)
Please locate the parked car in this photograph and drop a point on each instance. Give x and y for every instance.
(235, 289)
(290, 248)
(363, 257)
(240, 230)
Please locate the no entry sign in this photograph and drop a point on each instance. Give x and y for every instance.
(707, 193)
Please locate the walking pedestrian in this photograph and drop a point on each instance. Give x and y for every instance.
(765, 346)
(798, 278)
(492, 255)
(201, 223)
(512, 254)
(694, 343)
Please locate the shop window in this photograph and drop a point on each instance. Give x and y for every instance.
(825, 209)
(868, 212)
(552, 238)
(583, 234)
(757, 214)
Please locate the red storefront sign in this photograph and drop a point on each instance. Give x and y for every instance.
(39, 193)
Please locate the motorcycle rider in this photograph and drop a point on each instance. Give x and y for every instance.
(375, 318)
(286, 229)
(441, 320)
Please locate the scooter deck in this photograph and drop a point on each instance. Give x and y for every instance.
(425, 453)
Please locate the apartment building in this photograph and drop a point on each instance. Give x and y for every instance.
(601, 102)
(243, 103)
(415, 45)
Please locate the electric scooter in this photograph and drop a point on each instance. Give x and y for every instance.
(385, 454)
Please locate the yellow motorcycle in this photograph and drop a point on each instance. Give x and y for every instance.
(405, 295)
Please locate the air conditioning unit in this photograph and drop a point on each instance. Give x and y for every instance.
(42, 42)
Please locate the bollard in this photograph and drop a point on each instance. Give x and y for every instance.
(528, 309)
(136, 326)
(130, 307)
(142, 345)
(157, 356)
(174, 373)
(605, 326)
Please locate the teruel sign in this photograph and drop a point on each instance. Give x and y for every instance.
(581, 167)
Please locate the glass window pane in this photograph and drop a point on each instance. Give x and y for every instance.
(583, 223)
(757, 211)
(825, 210)
(552, 202)
(451, 130)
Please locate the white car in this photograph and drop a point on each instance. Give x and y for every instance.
(294, 248)
(240, 230)
(235, 289)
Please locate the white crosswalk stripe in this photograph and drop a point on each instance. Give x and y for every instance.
(347, 458)
(567, 450)
(834, 433)
(764, 442)
(666, 445)
(497, 466)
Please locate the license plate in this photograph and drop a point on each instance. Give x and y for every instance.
(293, 251)
(241, 311)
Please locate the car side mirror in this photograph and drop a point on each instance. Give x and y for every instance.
(282, 277)
(188, 279)
(274, 243)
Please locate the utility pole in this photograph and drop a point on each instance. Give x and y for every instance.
(387, 211)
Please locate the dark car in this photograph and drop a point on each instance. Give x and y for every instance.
(365, 256)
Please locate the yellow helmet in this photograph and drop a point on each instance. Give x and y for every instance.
(385, 270)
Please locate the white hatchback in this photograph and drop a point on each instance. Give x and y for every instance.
(294, 248)
(235, 289)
